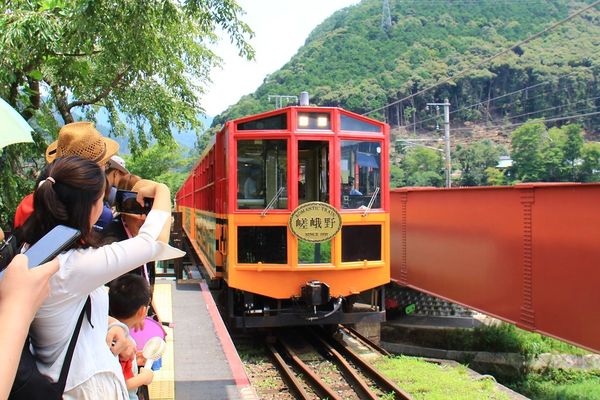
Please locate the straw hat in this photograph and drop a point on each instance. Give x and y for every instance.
(83, 140)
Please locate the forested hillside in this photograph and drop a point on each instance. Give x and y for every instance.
(362, 61)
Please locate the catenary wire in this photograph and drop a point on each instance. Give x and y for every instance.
(553, 80)
(465, 71)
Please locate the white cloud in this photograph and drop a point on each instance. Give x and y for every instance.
(280, 27)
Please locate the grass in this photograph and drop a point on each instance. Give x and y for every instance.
(424, 380)
(556, 384)
(267, 383)
(503, 338)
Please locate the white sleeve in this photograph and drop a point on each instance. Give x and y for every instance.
(83, 270)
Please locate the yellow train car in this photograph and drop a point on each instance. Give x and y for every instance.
(290, 210)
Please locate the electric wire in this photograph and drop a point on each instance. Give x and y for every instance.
(485, 61)
(540, 120)
(481, 102)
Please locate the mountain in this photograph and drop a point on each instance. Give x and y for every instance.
(360, 61)
(186, 139)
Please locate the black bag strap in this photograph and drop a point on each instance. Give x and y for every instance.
(64, 372)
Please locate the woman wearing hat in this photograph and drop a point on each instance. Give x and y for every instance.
(72, 195)
(76, 139)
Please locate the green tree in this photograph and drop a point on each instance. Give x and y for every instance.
(161, 163)
(474, 161)
(494, 177)
(528, 163)
(396, 176)
(423, 167)
(572, 150)
(590, 166)
(144, 62)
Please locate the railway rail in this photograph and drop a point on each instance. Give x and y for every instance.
(292, 352)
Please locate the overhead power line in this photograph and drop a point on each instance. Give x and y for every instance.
(485, 61)
(481, 102)
(540, 120)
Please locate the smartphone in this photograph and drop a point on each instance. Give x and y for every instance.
(126, 202)
(51, 245)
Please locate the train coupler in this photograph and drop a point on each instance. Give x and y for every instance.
(315, 293)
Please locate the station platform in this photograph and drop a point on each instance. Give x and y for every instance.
(200, 361)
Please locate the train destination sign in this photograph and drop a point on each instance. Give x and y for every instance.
(315, 222)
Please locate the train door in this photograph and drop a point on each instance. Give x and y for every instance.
(313, 185)
(313, 171)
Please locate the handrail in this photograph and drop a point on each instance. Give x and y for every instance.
(273, 200)
(371, 201)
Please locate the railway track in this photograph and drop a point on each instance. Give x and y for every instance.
(302, 354)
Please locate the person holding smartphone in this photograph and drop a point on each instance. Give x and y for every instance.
(22, 291)
(72, 195)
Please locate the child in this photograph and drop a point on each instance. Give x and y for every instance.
(129, 297)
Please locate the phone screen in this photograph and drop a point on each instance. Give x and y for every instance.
(49, 246)
(125, 201)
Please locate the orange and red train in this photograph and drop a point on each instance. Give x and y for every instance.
(289, 209)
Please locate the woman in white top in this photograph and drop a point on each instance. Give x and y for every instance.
(72, 195)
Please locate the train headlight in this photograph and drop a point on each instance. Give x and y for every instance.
(322, 121)
(303, 121)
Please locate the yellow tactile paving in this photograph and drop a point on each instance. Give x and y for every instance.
(163, 385)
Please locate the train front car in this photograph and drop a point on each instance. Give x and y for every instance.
(301, 223)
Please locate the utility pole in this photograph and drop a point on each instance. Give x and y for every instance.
(448, 168)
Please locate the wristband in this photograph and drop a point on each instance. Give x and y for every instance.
(121, 325)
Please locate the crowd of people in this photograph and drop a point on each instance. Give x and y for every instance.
(114, 250)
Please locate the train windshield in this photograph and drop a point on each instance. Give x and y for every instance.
(360, 172)
(262, 174)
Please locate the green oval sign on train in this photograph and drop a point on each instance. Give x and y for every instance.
(315, 222)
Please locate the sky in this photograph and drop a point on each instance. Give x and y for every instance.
(280, 28)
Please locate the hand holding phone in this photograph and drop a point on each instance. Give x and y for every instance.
(51, 245)
(127, 202)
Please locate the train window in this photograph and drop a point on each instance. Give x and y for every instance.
(262, 174)
(349, 123)
(314, 253)
(274, 122)
(361, 242)
(314, 121)
(265, 244)
(360, 172)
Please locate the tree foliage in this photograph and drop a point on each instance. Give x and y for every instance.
(162, 164)
(474, 160)
(144, 62)
(350, 61)
(423, 167)
(554, 155)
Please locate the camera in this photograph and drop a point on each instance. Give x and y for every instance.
(125, 201)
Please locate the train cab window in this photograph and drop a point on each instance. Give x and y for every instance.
(265, 244)
(314, 253)
(361, 242)
(312, 120)
(349, 123)
(313, 171)
(274, 122)
(360, 172)
(262, 174)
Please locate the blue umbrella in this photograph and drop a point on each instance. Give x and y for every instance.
(13, 127)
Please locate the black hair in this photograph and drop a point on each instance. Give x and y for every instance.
(127, 294)
(71, 188)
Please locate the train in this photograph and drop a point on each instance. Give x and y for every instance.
(288, 212)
